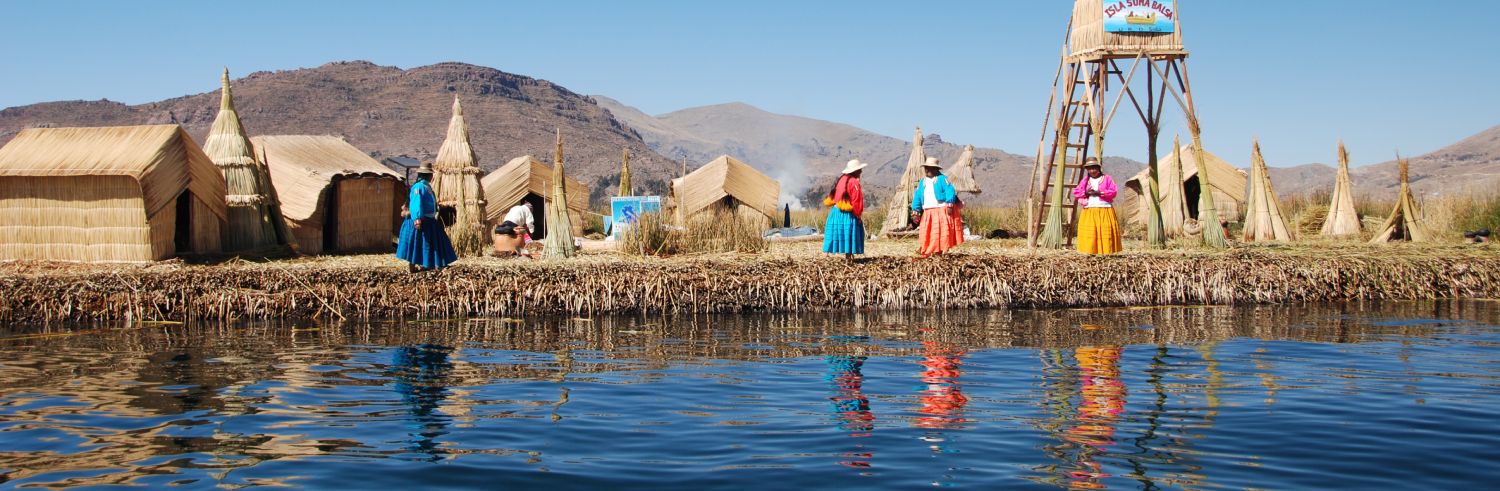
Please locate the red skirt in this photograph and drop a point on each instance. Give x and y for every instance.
(942, 228)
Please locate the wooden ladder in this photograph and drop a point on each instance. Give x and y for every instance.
(1082, 92)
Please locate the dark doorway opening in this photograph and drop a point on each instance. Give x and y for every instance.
(331, 218)
(182, 235)
(538, 214)
(1190, 194)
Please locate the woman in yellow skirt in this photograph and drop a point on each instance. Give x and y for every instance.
(1098, 230)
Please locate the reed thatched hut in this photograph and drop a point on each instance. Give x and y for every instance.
(527, 180)
(112, 194)
(1229, 185)
(334, 197)
(725, 184)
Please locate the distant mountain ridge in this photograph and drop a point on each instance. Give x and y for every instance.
(388, 112)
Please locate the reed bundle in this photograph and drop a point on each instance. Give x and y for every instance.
(897, 211)
(978, 277)
(625, 189)
(1405, 222)
(458, 186)
(559, 240)
(721, 230)
(254, 212)
(1263, 218)
(1342, 218)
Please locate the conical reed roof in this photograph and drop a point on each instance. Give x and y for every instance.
(559, 241)
(898, 214)
(961, 175)
(1263, 218)
(1405, 221)
(454, 158)
(1342, 218)
(254, 216)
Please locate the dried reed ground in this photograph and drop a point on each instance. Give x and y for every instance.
(788, 277)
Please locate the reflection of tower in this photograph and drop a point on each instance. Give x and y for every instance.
(1099, 410)
(848, 402)
(942, 399)
(421, 371)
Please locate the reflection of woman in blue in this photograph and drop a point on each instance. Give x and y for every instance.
(849, 404)
(421, 371)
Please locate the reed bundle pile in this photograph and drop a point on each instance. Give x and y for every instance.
(898, 214)
(625, 190)
(723, 229)
(1342, 218)
(559, 241)
(254, 214)
(379, 286)
(1263, 218)
(1405, 222)
(458, 186)
(961, 175)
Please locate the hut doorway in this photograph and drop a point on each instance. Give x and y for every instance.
(538, 214)
(331, 216)
(1190, 194)
(182, 233)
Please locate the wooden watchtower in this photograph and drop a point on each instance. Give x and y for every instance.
(1091, 83)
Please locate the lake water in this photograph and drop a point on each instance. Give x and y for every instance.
(1346, 396)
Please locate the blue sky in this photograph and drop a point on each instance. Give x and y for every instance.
(1383, 75)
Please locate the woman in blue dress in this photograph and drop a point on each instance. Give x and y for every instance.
(423, 242)
(844, 232)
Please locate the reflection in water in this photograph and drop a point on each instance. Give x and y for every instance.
(848, 402)
(1255, 397)
(421, 372)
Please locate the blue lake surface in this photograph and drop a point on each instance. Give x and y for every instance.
(1346, 396)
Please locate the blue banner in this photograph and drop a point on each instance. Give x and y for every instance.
(625, 211)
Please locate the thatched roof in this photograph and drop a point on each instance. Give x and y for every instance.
(1229, 183)
(504, 187)
(303, 166)
(163, 159)
(725, 177)
(961, 174)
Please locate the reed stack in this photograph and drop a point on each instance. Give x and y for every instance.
(254, 210)
(1342, 218)
(898, 211)
(1208, 214)
(1263, 218)
(961, 175)
(458, 186)
(1405, 222)
(625, 190)
(559, 241)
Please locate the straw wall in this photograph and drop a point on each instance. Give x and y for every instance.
(206, 227)
(163, 232)
(364, 214)
(74, 218)
(1088, 36)
(308, 234)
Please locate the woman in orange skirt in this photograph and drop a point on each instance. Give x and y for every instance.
(1098, 230)
(935, 199)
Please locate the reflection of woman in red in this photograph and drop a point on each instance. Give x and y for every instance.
(942, 400)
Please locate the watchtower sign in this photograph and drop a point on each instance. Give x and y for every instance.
(1144, 16)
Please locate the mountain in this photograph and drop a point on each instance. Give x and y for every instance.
(806, 154)
(390, 112)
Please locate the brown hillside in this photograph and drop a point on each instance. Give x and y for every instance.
(389, 112)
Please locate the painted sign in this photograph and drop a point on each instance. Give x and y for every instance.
(625, 211)
(1146, 16)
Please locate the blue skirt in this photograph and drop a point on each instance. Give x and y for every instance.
(428, 248)
(843, 234)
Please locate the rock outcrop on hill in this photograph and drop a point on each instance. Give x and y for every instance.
(389, 112)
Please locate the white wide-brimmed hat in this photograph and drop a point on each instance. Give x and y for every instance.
(932, 162)
(854, 165)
